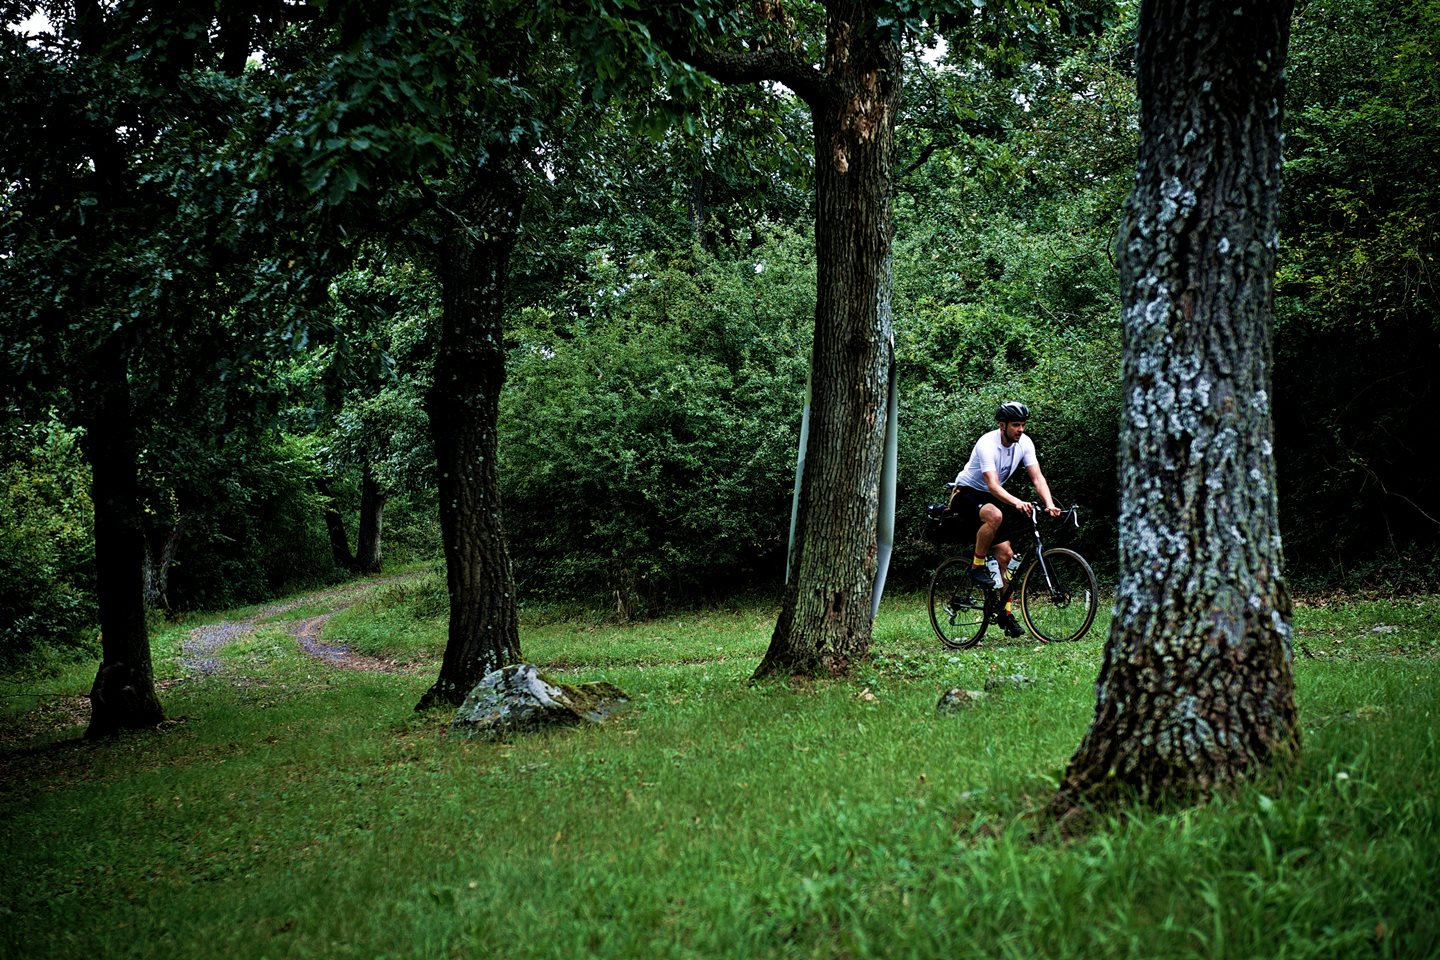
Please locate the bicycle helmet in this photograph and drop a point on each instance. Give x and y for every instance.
(1012, 411)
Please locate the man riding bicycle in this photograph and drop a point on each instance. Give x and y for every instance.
(978, 495)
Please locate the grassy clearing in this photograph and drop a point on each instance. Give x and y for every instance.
(294, 810)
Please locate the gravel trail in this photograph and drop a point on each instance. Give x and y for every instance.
(199, 651)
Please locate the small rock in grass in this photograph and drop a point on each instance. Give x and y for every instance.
(1014, 680)
(520, 698)
(957, 699)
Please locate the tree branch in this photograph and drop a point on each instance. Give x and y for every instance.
(777, 65)
(926, 152)
(1360, 462)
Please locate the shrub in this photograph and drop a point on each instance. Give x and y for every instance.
(47, 554)
(648, 447)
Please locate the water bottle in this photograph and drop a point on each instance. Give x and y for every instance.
(994, 569)
(1013, 566)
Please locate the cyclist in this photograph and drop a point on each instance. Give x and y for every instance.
(978, 495)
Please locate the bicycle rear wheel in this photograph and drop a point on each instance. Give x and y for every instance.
(957, 604)
(1063, 609)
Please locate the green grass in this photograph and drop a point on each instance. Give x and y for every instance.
(294, 810)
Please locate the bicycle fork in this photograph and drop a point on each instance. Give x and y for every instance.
(1052, 582)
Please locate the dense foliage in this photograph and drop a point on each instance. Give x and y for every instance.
(1358, 296)
(649, 447)
(47, 600)
(658, 339)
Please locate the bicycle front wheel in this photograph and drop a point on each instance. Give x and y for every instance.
(1060, 608)
(957, 604)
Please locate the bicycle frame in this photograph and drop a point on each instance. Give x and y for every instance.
(1046, 584)
(1038, 549)
(1073, 513)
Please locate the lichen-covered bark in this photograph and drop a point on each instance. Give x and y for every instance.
(824, 623)
(463, 408)
(1196, 688)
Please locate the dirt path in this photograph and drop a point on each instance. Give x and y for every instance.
(199, 657)
(199, 651)
(337, 655)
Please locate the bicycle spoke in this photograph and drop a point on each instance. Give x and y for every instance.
(1061, 607)
(957, 605)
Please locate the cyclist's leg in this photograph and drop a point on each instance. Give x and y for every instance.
(1003, 552)
(979, 518)
(990, 517)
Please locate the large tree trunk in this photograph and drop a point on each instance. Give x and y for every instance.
(123, 696)
(824, 624)
(372, 512)
(1196, 689)
(463, 407)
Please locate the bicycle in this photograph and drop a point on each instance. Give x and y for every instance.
(1058, 593)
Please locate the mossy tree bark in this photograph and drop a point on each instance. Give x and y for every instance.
(463, 407)
(1196, 688)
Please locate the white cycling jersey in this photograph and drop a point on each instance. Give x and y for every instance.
(991, 454)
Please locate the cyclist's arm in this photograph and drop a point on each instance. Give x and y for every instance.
(1042, 487)
(992, 481)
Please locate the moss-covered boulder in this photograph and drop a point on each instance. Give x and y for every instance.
(520, 698)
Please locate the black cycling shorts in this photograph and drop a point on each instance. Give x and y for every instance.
(965, 507)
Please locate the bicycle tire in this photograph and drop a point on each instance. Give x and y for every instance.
(1063, 615)
(958, 611)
